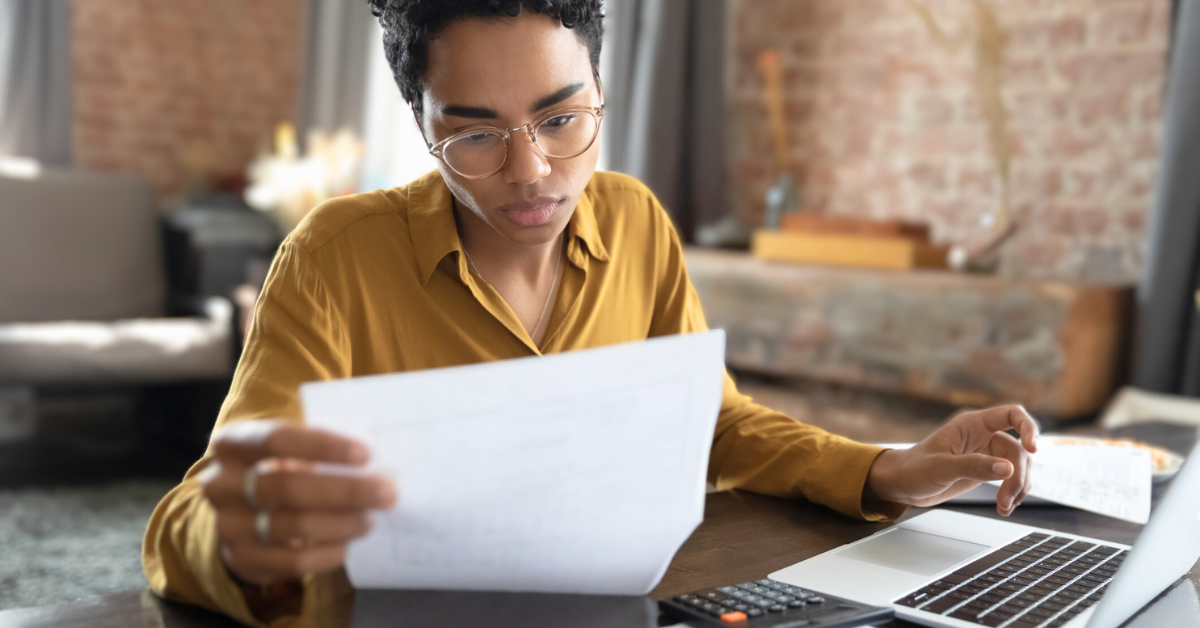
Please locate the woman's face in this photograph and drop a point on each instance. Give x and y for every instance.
(505, 73)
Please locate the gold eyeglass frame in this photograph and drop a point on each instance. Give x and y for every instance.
(530, 129)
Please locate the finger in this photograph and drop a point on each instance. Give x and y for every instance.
(264, 564)
(300, 490)
(252, 440)
(1013, 488)
(1010, 417)
(1025, 469)
(979, 467)
(293, 528)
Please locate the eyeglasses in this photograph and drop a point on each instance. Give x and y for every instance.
(481, 152)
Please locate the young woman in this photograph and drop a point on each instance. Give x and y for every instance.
(515, 247)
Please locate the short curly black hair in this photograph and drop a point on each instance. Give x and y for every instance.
(409, 26)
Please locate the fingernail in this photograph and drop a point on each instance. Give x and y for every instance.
(385, 493)
(999, 468)
(359, 452)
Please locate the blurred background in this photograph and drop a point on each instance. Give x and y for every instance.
(895, 208)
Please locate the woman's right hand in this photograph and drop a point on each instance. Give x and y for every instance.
(278, 517)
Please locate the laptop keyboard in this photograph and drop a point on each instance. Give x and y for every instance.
(1040, 580)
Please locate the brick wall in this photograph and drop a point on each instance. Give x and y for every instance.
(162, 84)
(884, 122)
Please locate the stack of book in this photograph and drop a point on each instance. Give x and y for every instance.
(844, 241)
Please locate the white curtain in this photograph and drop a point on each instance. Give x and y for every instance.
(347, 84)
(395, 152)
(664, 84)
(36, 111)
(6, 18)
(334, 78)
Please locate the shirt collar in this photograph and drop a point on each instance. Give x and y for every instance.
(583, 225)
(431, 223)
(435, 235)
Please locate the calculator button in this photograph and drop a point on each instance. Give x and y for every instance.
(747, 586)
(729, 590)
(742, 607)
(713, 595)
(754, 612)
(816, 599)
(734, 617)
(777, 608)
(796, 604)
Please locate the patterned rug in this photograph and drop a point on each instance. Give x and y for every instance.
(62, 544)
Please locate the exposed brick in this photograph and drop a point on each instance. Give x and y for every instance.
(885, 123)
(154, 78)
(1106, 107)
(1114, 69)
(1128, 23)
(1048, 34)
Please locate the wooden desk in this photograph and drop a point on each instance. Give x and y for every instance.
(744, 537)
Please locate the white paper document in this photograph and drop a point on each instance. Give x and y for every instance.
(1113, 481)
(580, 472)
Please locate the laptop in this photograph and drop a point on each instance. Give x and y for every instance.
(944, 568)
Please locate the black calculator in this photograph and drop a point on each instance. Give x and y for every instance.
(770, 604)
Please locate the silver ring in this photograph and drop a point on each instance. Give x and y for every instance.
(262, 525)
(250, 486)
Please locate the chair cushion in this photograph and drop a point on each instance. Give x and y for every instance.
(127, 351)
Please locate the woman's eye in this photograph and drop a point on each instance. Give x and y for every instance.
(476, 139)
(559, 121)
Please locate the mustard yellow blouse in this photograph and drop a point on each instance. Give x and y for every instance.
(377, 283)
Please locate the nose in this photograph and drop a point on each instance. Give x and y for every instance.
(526, 163)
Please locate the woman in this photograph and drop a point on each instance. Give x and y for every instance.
(515, 247)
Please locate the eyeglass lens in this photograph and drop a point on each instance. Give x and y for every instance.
(563, 136)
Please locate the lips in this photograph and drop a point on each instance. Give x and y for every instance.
(531, 212)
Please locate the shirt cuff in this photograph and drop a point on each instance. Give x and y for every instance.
(226, 593)
(845, 465)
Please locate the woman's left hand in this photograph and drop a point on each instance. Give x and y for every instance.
(970, 449)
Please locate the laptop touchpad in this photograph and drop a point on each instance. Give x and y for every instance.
(911, 551)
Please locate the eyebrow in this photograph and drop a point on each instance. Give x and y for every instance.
(464, 111)
(556, 97)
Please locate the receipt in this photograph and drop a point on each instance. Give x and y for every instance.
(1113, 481)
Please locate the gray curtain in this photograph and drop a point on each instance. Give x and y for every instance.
(1167, 345)
(664, 99)
(36, 113)
(333, 83)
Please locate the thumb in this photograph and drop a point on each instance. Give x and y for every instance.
(981, 467)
